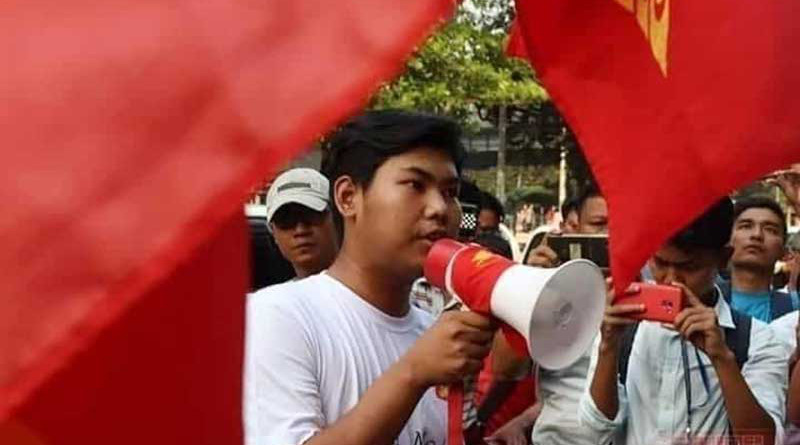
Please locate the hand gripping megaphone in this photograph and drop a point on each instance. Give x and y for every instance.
(550, 314)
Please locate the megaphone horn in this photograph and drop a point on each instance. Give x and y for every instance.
(556, 311)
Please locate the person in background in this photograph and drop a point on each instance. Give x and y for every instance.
(299, 217)
(495, 243)
(592, 219)
(555, 415)
(787, 331)
(759, 233)
(505, 385)
(712, 376)
(793, 266)
(569, 216)
(342, 357)
(267, 264)
(490, 214)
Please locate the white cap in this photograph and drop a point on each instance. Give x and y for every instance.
(303, 186)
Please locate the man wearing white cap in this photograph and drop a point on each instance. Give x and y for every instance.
(300, 220)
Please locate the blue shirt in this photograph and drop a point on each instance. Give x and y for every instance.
(757, 305)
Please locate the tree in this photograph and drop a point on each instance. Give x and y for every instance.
(462, 71)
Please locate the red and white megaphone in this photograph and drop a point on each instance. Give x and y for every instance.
(550, 314)
(555, 313)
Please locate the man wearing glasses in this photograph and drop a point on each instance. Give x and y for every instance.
(299, 218)
(712, 375)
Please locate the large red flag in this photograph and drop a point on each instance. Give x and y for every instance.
(130, 131)
(675, 103)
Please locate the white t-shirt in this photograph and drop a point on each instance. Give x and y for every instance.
(312, 348)
(784, 328)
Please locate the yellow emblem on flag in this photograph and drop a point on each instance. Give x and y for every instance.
(481, 258)
(653, 19)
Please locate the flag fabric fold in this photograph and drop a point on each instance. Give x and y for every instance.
(675, 104)
(133, 130)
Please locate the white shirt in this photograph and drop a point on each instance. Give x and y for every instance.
(560, 394)
(784, 328)
(312, 348)
(652, 405)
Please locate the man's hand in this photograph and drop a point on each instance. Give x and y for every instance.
(451, 349)
(517, 430)
(616, 319)
(698, 324)
(542, 256)
(789, 183)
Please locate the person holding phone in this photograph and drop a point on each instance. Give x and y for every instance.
(592, 218)
(712, 375)
(555, 416)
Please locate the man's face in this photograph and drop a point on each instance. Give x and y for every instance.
(593, 216)
(411, 202)
(695, 269)
(488, 221)
(757, 239)
(305, 237)
(571, 224)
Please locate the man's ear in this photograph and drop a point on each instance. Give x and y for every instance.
(346, 196)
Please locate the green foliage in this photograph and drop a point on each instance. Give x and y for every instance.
(462, 72)
(461, 69)
(534, 194)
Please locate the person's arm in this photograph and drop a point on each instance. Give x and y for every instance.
(542, 256)
(452, 349)
(602, 408)
(507, 364)
(515, 431)
(793, 402)
(698, 324)
(381, 413)
(603, 387)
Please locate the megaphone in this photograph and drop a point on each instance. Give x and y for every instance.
(556, 313)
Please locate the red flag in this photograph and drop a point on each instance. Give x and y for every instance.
(131, 130)
(675, 103)
(515, 47)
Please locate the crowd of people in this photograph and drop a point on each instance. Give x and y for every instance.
(356, 348)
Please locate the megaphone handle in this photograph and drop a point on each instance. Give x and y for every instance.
(455, 414)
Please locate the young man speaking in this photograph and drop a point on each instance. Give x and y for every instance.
(712, 376)
(341, 357)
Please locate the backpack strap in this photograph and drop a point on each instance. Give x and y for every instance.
(738, 338)
(782, 304)
(625, 352)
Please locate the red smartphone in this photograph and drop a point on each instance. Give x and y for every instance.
(662, 303)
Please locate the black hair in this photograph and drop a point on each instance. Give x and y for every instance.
(711, 230)
(495, 243)
(490, 202)
(360, 146)
(469, 193)
(365, 142)
(591, 191)
(760, 202)
(569, 205)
